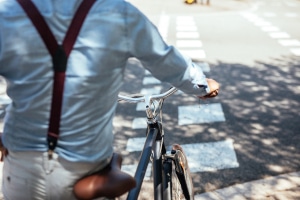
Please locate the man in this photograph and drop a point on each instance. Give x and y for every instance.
(112, 32)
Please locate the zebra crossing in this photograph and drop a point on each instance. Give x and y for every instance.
(214, 155)
(283, 38)
(202, 156)
(188, 38)
(220, 154)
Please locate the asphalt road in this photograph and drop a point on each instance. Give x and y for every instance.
(252, 49)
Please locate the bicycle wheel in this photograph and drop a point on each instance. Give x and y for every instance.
(182, 185)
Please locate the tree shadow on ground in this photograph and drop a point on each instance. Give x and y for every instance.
(261, 105)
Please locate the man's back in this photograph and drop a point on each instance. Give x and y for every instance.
(112, 32)
(94, 74)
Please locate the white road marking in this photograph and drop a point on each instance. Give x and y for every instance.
(185, 18)
(194, 54)
(147, 72)
(291, 42)
(270, 14)
(153, 90)
(163, 25)
(295, 51)
(4, 99)
(135, 144)
(197, 114)
(185, 23)
(249, 16)
(279, 35)
(269, 28)
(130, 169)
(139, 123)
(262, 23)
(187, 35)
(211, 156)
(291, 15)
(188, 43)
(187, 38)
(150, 80)
(204, 66)
(274, 31)
(141, 106)
(291, 4)
(186, 28)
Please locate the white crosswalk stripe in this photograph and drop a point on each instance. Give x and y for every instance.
(197, 114)
(289, 42)
(211, 156)
(130, 169)
(150, 80)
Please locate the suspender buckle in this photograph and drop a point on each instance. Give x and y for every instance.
(50, 154)
(52, 142)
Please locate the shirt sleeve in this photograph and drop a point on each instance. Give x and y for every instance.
(1, 49)
(164, 62)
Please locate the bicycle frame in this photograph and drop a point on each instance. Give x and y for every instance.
(154, 143)
(154, 147)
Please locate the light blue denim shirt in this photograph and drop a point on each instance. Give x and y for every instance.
(113, 31)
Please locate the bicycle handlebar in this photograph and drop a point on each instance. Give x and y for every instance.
(145, 98)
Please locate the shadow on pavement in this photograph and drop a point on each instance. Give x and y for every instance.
(261, 105)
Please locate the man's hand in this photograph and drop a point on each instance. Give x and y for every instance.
(3, 150)
(214, 89)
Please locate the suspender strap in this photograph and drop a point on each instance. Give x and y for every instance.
(76, 23)
(59, 54)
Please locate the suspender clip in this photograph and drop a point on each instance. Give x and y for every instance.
(50, 154)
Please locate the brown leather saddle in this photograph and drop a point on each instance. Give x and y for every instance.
(110, 182)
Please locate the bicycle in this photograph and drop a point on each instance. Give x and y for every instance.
(170, 171)
(171, 175)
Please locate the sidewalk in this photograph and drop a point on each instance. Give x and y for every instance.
(282, 187)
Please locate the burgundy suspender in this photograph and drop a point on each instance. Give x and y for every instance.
(59, 54)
